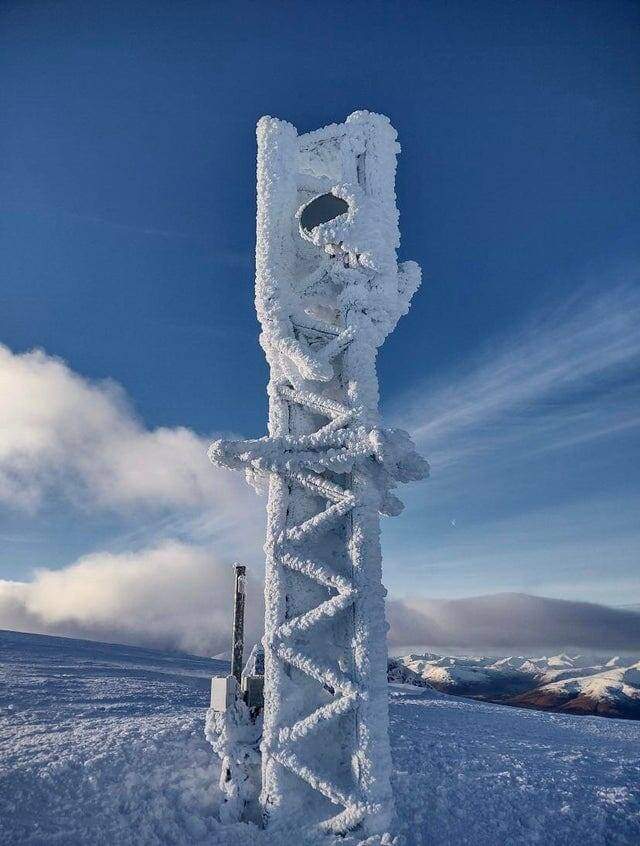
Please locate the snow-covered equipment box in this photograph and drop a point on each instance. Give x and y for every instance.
(224, 690)
(328, 291)
(253, 691)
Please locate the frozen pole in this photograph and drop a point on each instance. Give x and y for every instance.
(233, 729)
(237, 644)
(329, 290)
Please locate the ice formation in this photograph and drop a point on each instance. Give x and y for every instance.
(235, 737)
(328, 291)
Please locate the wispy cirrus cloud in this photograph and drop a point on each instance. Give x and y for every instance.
(569, 375)
(530, 444)
(238, 258)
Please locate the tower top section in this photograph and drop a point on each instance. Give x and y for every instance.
(327, 232)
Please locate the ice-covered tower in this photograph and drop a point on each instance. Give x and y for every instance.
(328, 291)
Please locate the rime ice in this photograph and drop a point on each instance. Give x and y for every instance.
(328, 292)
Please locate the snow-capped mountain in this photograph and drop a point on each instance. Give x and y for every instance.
(466, 676)
(577, 684)
(612, 693)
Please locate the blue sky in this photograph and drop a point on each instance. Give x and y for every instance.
(127, 168)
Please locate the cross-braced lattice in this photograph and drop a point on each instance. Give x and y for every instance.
(327, 296)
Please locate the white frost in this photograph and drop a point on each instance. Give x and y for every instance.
(327, 296)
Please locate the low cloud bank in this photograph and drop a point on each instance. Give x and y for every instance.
(175, 596)
(512, 620)
(178, 596)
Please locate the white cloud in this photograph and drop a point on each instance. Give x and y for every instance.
(67, 440)
(562, 380)
(61, 433)
(64, 434)
(173, 596)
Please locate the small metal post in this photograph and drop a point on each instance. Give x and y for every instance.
(237, 644)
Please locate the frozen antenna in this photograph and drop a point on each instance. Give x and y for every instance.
(237, 645)
(234, 721)
(328, 291)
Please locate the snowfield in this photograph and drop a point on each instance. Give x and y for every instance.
(104, 744)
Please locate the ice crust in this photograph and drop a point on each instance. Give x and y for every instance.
(326, 299)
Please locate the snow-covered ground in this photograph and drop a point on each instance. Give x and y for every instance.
(478, 773)
(104, 744)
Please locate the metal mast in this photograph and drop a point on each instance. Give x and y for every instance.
(328, 291)
(237, 641)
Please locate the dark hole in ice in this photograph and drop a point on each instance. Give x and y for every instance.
(321, 210)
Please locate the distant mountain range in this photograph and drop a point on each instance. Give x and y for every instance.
(569, 684)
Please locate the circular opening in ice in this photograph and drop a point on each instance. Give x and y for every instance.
(324, 208)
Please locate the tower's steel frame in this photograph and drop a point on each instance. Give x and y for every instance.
(328, 291)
